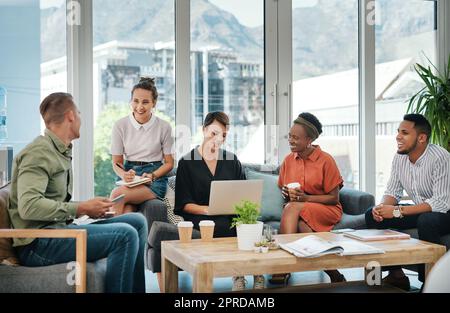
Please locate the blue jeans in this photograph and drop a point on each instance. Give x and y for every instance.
(159, 186)
(121, 239)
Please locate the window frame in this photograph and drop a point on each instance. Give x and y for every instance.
(278, 80)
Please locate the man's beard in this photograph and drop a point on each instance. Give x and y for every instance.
(409, 150)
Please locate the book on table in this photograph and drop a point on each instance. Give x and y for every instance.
(138, 180)
(313, 246)
(376, 234)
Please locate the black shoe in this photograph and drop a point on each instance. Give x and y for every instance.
(399, 282)
(280, 279)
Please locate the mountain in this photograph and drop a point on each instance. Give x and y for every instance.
(325, 36)
(153, 21)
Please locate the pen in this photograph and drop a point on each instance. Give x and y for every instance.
(120, 166)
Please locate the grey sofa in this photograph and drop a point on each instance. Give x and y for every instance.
(354, 203)
(52, 279)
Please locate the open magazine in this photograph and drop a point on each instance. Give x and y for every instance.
(138, 180)
(313, 246)
(86, 220)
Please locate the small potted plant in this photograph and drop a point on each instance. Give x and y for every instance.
(262, 246)
(248, 228)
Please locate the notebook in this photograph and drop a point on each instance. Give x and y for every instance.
(376, 234)
(138, 180)
(313, 246)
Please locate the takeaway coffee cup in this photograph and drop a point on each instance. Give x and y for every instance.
(185, 231)
(293, 185)
(207, 230)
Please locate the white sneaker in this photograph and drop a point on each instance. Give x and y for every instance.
(239, 283)
(258, 282)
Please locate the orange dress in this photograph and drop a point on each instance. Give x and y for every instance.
(318, 175)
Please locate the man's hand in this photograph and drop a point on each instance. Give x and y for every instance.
(94, 208)
(383, 211)
(376, 213)
(129, 176)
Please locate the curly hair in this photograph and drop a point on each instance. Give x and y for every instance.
(313, 120)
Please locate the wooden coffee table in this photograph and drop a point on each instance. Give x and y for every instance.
(221, 258)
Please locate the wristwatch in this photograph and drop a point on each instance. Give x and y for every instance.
(397, 212)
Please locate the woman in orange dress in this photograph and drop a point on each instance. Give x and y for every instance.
(314, 207)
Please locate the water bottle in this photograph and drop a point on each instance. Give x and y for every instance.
(3, 107)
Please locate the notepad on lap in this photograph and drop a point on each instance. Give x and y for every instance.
(313, 246)
(376, 234)
(138, 180)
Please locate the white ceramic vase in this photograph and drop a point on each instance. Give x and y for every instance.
(248, 235)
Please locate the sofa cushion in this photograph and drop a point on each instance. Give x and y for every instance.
(7, 254)
(169, 201)
(49, 279)
(355, 202)
(272, 200)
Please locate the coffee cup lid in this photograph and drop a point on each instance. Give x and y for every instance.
(206, 223)
(185, 224)
(293, 185)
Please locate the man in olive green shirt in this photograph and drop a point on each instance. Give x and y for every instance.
(41, 190)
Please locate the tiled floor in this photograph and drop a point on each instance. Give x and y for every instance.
(304, 278)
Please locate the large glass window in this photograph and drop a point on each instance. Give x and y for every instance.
(30, 39)
(325, 76)
(227, 71)
(53, 48)
(405, 35)
(131, 39)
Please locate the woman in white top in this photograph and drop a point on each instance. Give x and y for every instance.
(141, 145)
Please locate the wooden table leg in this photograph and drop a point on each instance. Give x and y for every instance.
(203, 279)
(169, 276)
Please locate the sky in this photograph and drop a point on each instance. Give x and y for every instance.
(248, 12)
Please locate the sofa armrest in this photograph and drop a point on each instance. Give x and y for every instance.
(355, 202)
(79, 235)
(154, 211)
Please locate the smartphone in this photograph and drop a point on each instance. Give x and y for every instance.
(110, 214)
(118, 198)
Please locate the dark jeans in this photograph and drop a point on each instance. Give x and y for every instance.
(222, 223)
(121, 239)
(431, 226)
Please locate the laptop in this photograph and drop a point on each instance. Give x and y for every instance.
(225, 194)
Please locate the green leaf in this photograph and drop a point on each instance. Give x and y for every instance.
(433, 101)
(246, 213)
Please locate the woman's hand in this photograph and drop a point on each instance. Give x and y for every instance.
(148, 175)
(285, 193)
(297, 195)
(129, 176)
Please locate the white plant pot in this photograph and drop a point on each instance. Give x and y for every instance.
(248, 235)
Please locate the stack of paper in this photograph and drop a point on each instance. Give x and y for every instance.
(138, 180)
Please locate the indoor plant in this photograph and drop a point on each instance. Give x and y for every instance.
(248, 228)
(433, 101)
